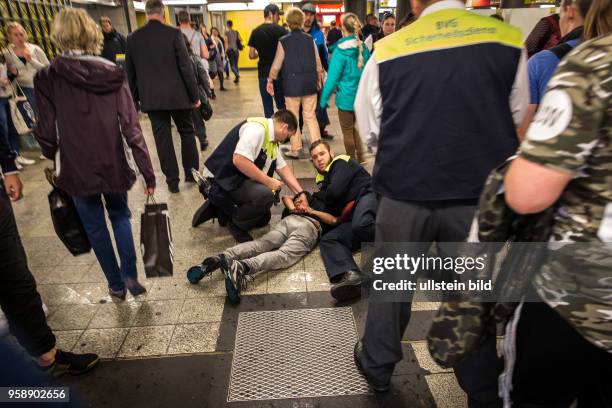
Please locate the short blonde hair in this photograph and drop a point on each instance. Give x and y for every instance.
(73, 29)
(12, 25)
(294, 18)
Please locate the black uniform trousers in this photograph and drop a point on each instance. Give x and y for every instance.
(162, 132)
(337, 245)
(19, 298)
(424, 222)
(254, 201)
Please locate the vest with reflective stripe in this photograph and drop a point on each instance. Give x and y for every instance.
(221, 165)
(445, 83)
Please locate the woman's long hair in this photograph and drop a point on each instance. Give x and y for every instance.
(598, 20)
(352, 25)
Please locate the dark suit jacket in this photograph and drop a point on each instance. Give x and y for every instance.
(159, 70)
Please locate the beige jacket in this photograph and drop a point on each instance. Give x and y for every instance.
(27, 71)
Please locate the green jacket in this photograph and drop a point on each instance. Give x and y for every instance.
(344, 73)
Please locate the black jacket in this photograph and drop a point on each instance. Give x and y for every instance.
(114, 43)
(333, 36)
(299, 71)
(344, 182)
(159, 69)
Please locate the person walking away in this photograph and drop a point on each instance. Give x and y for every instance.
(297, 62)
(163, 85)
(542, 65)
(429, 172)
(233, 45)
(86, 117)
(19, 298)
(217, 57)
(27, 59)
(114, 42)
(350, 56)
(333, 35)
(197, 43)
(311, 26)
(558, 346)
(203, 90)
(262, 44)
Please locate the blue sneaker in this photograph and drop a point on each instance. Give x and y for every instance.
(208, 266)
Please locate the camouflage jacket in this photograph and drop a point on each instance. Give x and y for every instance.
(571, 133)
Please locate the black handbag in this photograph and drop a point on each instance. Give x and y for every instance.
(66, 221)
(156, 240)
(206, 109)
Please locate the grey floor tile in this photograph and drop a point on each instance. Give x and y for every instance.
(446, 391)
(160, 312)
(168, 289)
(284, 282)
(110, 315)
(60, 294)
(317, 280)
(93, 292)
(202, 310)
(66, 339)
(146, 341)
(194, 338)
(104, 342)
(72, 317)
(59, 274)
(210, 286)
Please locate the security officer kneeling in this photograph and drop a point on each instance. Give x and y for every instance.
(243, 189)
(344, 187)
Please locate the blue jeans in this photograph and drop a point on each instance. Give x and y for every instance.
(7, 130)
(30, 96)
(91, 211)
(266, 98)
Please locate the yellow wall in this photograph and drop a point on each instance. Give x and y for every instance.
(141, 17)
(244, 23)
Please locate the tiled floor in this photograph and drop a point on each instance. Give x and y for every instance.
(177, 318)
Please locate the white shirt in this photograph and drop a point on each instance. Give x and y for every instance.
(251, 141)
(368, 101)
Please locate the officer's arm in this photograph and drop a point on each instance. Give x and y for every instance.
(287, 176)
(531, 188)
(249, 169)
(253, 53)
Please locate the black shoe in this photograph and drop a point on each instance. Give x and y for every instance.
(204, 145)
(213, 96)
(237, 80)
(71, 363)
(189, 178)
(238, 233)
(223, 89)
(326, 135)
(135, 288)
(173, 188)
(206, 212)
(348, 288)
(236, 278)
(378, 387)
(118, 294)
(207, 267)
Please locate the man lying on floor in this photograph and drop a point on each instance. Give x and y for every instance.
(286, 243)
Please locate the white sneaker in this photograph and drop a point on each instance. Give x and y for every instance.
(292, 155)
(22, 160)
(19, 166)
(42, 157)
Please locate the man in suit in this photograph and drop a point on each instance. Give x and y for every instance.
(163, 83)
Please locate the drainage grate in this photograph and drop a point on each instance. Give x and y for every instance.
(295, 354)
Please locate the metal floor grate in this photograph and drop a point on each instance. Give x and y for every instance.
(295, 354)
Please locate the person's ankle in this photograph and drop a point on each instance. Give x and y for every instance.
(47, 358)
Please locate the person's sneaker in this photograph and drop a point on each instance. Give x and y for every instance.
(236, 278)
(213, 95)
(71, 363)
(204, 145)
(290, 154)
(204, 185)
(237, 80)
(348, 288)
(223, 89)
(173, 188)
(238, 233)
(18, 166)
(22, 160)
(189, 178)
(117, 294)
(325, 135)
(377, 386)
(208, 266)
(206, 212)
(135, 288)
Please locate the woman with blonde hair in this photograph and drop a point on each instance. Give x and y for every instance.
(350, 56)
(27, 58)
(88, 124)
(297, 62)
(598, 20)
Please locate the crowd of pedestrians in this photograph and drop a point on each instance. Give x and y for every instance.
(436, 135)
